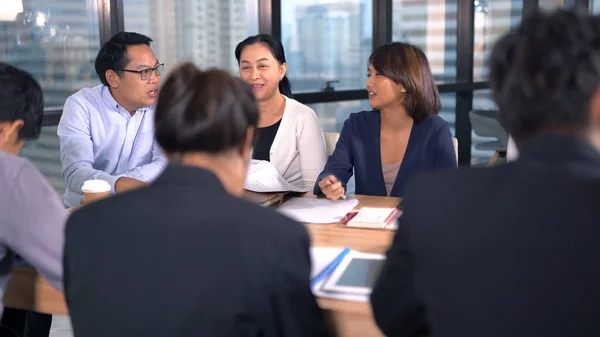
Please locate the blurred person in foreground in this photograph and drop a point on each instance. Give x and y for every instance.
(32, 217)
(187, 256)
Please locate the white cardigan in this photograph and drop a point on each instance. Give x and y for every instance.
(298, 151)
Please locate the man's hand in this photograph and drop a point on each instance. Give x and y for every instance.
(331, 187)
(124, 184)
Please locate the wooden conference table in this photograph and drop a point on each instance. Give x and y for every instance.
(28, 290)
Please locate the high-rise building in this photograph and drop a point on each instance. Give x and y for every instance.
(329, 38)
(156, 19)
(57, 42)
(209, 30)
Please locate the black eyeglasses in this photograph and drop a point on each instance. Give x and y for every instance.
(145, 74)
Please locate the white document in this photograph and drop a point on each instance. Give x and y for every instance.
(263, 177)
(309, 210)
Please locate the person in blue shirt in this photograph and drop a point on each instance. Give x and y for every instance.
(107, 132)
(402, 135)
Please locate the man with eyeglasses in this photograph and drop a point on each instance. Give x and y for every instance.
(107, 132)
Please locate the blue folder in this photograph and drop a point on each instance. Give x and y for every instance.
(330, 267)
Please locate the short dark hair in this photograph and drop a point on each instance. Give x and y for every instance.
(408, 66)
(285, 86)
(544, 74)
(113, 54)
(22, 98)
(203, 111)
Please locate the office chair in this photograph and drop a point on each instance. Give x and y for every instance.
(486, 123)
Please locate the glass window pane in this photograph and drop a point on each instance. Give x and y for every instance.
(595, 6)
(551, 4)
(45, 154)
(492, 20)
(205, 32)
(327, 40)
(431, 25)
(54, 40)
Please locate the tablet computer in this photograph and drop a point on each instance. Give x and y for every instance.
(356, 274)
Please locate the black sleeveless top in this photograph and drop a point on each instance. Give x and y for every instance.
(263, 141)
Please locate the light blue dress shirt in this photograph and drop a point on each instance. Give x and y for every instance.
(101, 140)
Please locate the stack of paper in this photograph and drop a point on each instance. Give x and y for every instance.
(310, 210)
(262, 176)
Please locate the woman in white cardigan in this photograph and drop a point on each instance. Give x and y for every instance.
(288, 133)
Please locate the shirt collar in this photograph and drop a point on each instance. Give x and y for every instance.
(560, 150)
(108, 98)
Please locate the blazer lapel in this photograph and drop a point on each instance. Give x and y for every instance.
(414, 138)
(378, 180)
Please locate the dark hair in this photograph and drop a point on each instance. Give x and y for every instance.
(113, 54)
(285, 87)
(208, 111)
(408, 66)
(22, 98)
(545, 73)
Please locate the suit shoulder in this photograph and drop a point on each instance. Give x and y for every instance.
(434, 122)
(269, 220)
(15, 167)
(450, 182)
(86, 95)
(363, 117)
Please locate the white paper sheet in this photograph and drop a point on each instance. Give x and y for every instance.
(310, 210)
(263, 177)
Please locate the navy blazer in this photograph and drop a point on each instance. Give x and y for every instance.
(429, 147)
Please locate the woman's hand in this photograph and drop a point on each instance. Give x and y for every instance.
(331, 187)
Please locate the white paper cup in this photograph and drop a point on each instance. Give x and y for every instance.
(95, 190)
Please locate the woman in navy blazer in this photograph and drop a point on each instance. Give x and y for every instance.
(401, 137)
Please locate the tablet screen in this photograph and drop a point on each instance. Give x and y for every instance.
(361, 272)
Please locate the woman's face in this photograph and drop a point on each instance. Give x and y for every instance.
(383, 92)
(260, 69)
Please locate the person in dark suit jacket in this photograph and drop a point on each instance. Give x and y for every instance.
(404, 135)
(511, 250)
(186, 256)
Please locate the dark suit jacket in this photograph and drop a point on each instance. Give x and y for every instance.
(182, 257)
(359, 147)
(495, 252)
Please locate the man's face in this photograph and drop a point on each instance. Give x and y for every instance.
(133, 91)
(9, 136)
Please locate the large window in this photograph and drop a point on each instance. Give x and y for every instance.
(493, 18)
(431, 25)
(56, 41)
(327, 43)
(205, 32)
